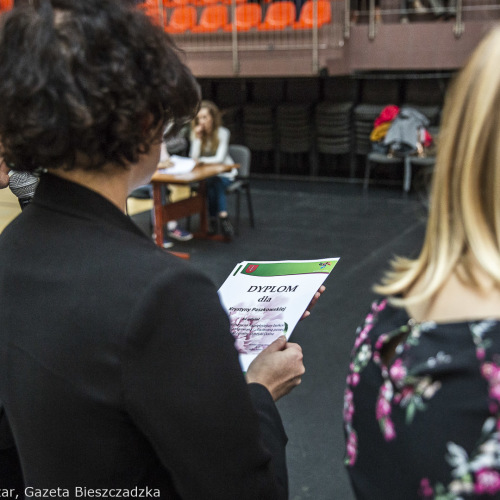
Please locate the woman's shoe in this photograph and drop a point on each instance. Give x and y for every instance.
(212, 225)
(226, 227)
(180, 234)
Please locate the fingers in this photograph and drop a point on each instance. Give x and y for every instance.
(4, 175)
(315, 298)
(279, 368)
(278, 345)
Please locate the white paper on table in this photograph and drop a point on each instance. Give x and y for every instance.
(180, 165)
(266, 299)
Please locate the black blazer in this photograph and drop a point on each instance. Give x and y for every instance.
(117, 368)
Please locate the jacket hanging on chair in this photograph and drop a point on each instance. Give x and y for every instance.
(403, 137)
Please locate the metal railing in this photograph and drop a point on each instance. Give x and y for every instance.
(312, 39)
(460, 11)
(330, 35)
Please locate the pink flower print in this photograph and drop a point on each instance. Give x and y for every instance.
(389, 431)
(361, 338)
(495, 392)
(353, 379)
(398, 371)
(386, 389)
(383, 408)
(380, 307)
(407, 393)
(487, 482)
(490, 371)
(381, 341)
(480, 353)
(348, 406)
(426, 490)
(352, 448)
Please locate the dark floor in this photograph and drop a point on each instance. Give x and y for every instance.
(311, 220)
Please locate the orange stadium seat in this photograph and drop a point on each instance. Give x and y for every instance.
(306, 18)
(150, 8)
(229, 2)
(246, 17)
(204, 3)
(279, 15)
(6, 5)
(176, 3)
(213, 18)
(182, 19)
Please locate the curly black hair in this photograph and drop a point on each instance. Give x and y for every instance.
(80, 78)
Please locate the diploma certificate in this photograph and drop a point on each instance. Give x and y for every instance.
(266, 299)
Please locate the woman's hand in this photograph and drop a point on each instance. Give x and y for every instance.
(317, 295)
(279, 368)
(199, 131)
(4, 175)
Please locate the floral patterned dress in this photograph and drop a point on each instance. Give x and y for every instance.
(427, 423)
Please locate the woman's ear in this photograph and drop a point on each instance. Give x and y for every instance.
(149, 129)
(146, 123)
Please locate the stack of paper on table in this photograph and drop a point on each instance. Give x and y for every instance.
(267, 299)
(176, 165)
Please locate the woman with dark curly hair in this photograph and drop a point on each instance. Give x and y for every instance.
(117, 368)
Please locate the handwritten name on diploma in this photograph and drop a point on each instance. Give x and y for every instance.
(83, 492)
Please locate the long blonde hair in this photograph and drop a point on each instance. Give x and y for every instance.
(464, 217)
(210, 142)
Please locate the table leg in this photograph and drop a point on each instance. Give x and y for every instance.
(202, 192)
(158, 210)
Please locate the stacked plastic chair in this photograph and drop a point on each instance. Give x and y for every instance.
(258, 128)
(364, 116)
(295, 133)
(362, 122)
(333, 127)
(231, 119)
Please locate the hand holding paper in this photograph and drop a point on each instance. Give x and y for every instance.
(279, 368)
(315, 299)
(265, 300)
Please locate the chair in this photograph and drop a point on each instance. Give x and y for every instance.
(242, 156)
(153, 12)
(306, 18)
(279, 15)
(213, 18)
(176, 3)
(182, 19)
(229, 2)
(379, 158)
(6, 5)
(204, 3)
(246, 17)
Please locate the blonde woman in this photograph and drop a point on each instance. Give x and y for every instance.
(422, 403)
(210, 144)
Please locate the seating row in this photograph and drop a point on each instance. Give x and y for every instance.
(248, 16)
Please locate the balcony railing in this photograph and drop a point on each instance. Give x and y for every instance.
(302, 26)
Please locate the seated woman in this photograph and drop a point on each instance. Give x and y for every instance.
(210, 144)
